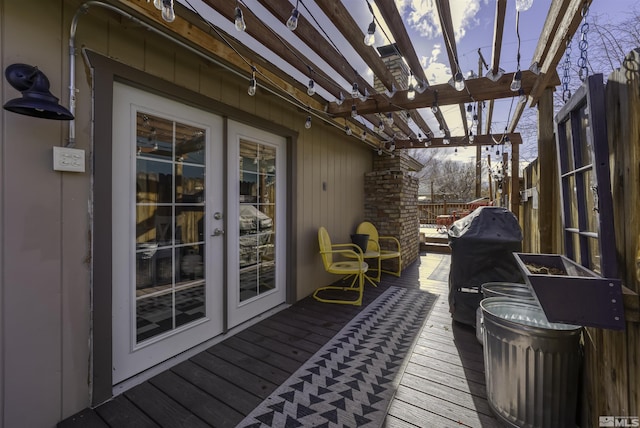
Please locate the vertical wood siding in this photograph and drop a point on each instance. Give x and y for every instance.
(46, 219)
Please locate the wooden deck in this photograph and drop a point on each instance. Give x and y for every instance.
(442, 384)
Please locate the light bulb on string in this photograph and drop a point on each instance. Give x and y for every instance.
(340, 99)
(522, 5)
(364, 96)
(389, 119)
(311, 88)
(168, 14)
(292, 22)
(458, 82)
(307, 124)
(379, 152)
(380, 126)
(363, 136)
(239, 20)
(516, 83)
(434, 106)
(347, 130)
(354, 111)
(158, 4)
(252, 85)
(471, 137)
(522, 97)
(370, 37)
(411, 93)
(354, 90)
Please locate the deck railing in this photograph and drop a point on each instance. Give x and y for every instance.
(429, 212)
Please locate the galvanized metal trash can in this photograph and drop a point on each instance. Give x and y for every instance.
(531, 366)
(514, 290)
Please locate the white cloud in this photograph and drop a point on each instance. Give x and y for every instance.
(422, 16)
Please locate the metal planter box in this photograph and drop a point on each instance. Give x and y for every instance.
(572, 294)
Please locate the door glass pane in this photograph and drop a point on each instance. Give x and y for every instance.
(257, 218)
(573, 203)
(569, 163)
(586, 151)
(170, 216)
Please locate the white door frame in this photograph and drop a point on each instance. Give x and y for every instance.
(241, 311)
(130, 358)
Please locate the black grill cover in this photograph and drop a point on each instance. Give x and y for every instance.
(482, 246)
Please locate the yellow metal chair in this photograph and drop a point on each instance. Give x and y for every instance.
(332, 258)
(375, 251)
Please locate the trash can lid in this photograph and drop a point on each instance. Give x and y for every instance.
(521, 312)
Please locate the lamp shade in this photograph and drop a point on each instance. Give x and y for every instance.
(36, 98)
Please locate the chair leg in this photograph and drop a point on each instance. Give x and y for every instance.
(360, 289)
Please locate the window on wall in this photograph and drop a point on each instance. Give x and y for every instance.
(583, 155)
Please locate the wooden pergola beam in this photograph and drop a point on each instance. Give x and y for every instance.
(444, 12)
(481, 89)
(560, 25)
(498, 31)
(436, 143)
(392, 17)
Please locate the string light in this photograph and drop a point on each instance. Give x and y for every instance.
(380, 126)
(522, 97)
(363, 136)
(434, 107)
(364, 96)
(379, 151)
(354, 90)
(252, 83)
(516, 83)
(347, 130)
(340, 99)
(411, 93)
(307, 124)
(471, 137)
(522, 5)
(389, 119)
(354, 111)
(458, 82)
(292, 22)
(370, 37)
(239, 20)
(168, 14)
(311, 89)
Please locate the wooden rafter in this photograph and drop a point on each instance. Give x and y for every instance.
(444, 12)
(498, 30)
(561, 24)
(480, 140)
(281, 9)
(480, 88)
(392, 17)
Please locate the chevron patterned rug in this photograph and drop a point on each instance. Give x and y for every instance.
(351, 380)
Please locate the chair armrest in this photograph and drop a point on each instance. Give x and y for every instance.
(391, 238)
(351, 253)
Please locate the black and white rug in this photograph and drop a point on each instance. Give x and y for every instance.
(351, 380)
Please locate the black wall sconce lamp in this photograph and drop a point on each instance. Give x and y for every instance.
(36, 99)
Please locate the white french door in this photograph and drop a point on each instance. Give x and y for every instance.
(256, 221)
(168, 187)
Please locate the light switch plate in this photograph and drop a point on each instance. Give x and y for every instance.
(66, 159)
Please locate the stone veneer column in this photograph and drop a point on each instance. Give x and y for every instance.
(391, 204)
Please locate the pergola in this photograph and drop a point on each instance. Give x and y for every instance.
(372, 105)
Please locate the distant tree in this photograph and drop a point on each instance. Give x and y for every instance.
(608, 43)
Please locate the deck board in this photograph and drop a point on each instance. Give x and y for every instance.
(442, 384)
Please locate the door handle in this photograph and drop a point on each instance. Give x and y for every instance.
(217, 232)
